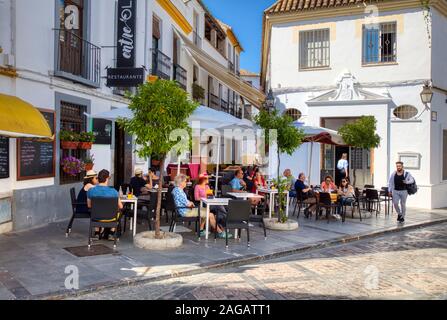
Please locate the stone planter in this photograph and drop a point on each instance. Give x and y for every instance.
(273, 224)
(365, 214)
(147, 241)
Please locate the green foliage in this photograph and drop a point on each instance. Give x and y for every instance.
(89, 159)
(282, 185)
(361, 133)
(87, 137)
(289, 137)
(198, 92)
(66, 135)
(159, 108)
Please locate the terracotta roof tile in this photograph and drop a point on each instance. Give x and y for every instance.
(302, 5)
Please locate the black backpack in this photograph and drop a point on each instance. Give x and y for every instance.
(412, 188)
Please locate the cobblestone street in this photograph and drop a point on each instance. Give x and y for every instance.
(405, 265)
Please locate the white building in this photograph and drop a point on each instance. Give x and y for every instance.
(329, 63)
(63, 72)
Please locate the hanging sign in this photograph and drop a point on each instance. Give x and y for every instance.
(126, 28)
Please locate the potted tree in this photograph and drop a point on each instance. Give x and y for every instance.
(86, 140)
(288, 139)
(89, 162)
(69, 139)
(161, 110)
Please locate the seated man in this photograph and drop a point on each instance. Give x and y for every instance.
(291, 182)
(238, 185)
(186, 208)
(102, 190)
(304, 193)
(137, 183)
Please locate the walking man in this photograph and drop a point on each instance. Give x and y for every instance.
(397, 186)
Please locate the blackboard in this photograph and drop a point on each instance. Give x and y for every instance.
(4, 158)
(102, 129)
(36, 157)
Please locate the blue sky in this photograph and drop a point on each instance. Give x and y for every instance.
(245, 17)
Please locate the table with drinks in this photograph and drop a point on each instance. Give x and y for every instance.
(272, 192)
(130, 198)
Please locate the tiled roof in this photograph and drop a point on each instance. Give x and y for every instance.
(304, 5)
(247, 73)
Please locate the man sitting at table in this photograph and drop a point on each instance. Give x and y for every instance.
(139, 184)
(102, 190)
(187, 208)
(305, 194)
(238, 185)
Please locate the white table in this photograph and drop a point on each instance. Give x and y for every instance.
(133, 223)
(272, 194)
(209, 203)
(165, 190)
(244, 195)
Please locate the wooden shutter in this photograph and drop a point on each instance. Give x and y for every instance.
(156, 28)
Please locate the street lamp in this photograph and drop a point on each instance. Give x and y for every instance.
(426, 94)
(270, 100)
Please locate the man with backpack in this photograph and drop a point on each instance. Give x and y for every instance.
(400, 185)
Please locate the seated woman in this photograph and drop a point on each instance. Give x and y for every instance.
(139, 184)
(347, 193)
(187, 208)
(152, 177)
(90, 181)
(328, 185)
(203, 190)
(258, 182)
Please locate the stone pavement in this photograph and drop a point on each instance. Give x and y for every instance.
(406, 265)
(33, 264)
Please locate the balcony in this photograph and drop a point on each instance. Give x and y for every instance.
(238, 113)
(197, 39)
(213, 102)
(224, 105)
(161, 65)
(231, 108)
(231, 66)
(247, 113)
(77, 59)
(180, 75)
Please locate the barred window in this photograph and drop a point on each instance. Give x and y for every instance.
(295, 114)
(405, 112)
(314, 49)
(379, 43)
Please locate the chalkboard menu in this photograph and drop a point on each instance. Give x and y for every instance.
(4, 158)
(36, 157)
(102, 129)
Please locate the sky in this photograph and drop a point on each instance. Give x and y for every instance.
(245, 17)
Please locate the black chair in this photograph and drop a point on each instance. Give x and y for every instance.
(225, 189)
(385, 196)
(238, 217)
(325, 202)
(104, 214)
(176, 218)
(299, 202)
(373, 200)
(75, 213)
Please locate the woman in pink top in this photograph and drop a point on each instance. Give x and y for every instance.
(202, 189)
(328, 185)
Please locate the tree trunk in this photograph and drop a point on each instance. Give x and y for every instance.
(279, 195)
(159, 196)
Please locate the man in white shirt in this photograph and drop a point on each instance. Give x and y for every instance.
(342, 168)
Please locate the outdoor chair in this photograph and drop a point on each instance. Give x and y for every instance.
(352, 204)
(104, 214)
(238, 217)
(257, 216)
(75, 213)
(387, 199)
(226, 188)
(176, 218)
(299, 202)
(324, 202)
(373, 201)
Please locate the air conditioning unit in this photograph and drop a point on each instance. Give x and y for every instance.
(7, 60)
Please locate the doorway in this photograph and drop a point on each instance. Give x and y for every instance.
(123, 157)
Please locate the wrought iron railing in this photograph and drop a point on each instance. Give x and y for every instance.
(231, 108)
(224, 105)
(213, 101)
(77, 59)
(161, 65)
(180, 75)
(231, 66)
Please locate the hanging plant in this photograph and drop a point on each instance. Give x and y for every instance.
(427, 17)
(72, 166)
(69, 139)
(86, 140)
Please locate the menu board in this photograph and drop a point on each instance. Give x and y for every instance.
(102, 129)
(4, 157)
(36, 157)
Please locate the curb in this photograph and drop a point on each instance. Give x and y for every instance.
(59, 295)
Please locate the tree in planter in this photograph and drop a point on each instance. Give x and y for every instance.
(361, 134)
(289, 138)
(160, 108)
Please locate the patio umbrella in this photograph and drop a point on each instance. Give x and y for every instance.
(319, 135)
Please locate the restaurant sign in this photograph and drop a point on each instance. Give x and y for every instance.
(126, 26)
(125, 77)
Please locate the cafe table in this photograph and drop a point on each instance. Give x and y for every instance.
(133, 223)
(272, 193)
(209, 203)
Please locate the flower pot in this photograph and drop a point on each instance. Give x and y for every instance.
(85, 145)
(89, 166)
(69, 145)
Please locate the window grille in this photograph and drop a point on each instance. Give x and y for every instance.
(295, 114)
(379, 43)
(314, 49)
(405, 112)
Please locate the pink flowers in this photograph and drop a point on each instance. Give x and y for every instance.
(72, 166)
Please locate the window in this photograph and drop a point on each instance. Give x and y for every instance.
(295, 114)
(195, 74)
(314, 49)
(444, 156)
(405, 112)
(379, 43)
(72, 119)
